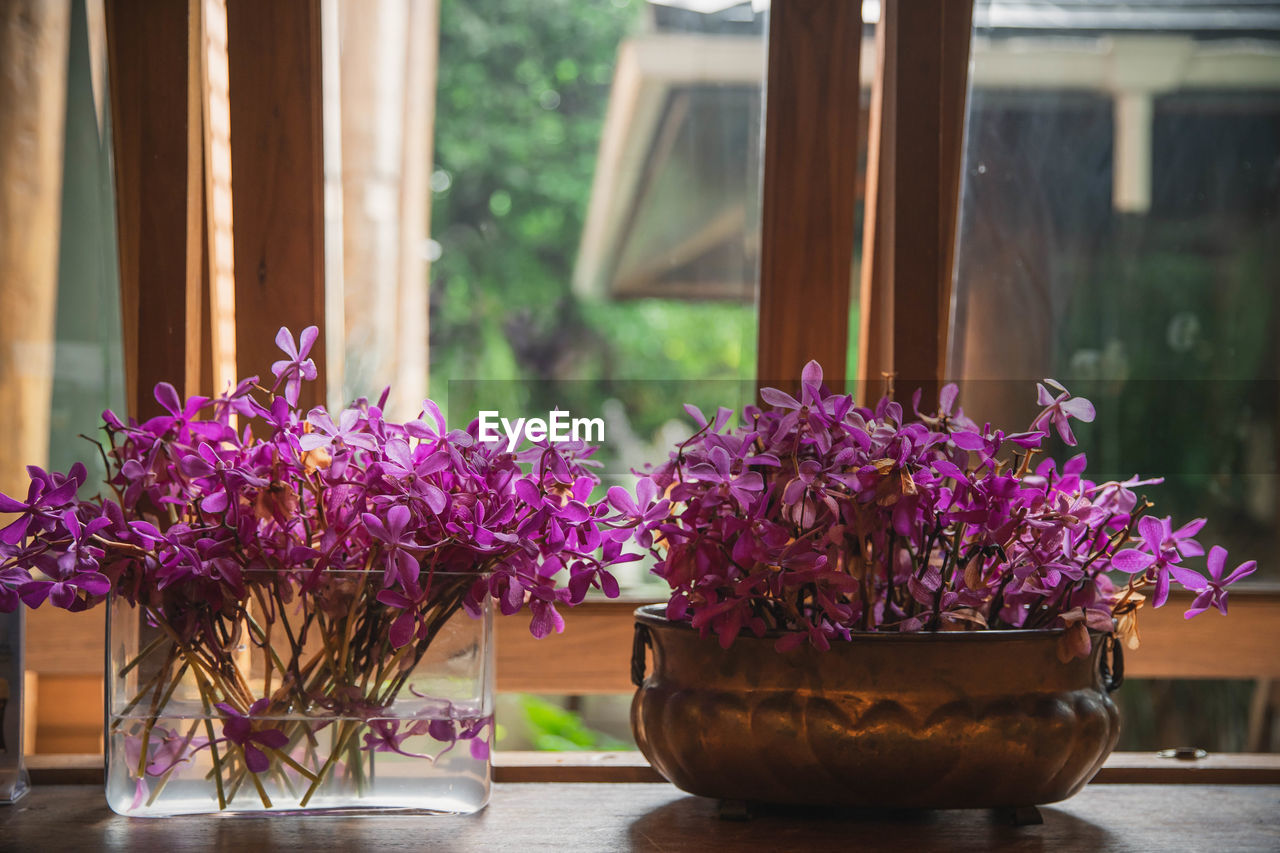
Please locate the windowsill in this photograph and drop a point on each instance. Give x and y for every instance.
(656, 816)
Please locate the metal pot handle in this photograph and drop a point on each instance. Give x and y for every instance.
(638, 643)
(1112, 663)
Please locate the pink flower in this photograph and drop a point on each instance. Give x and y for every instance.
(1213, 590)
(1060, 410)
(297, 367)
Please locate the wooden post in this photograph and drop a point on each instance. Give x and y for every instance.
(810, 185)
(154, 56)
(909, 244)
(33, 71)
(273, 52)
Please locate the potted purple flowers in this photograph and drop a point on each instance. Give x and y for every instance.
(300, 604)
(876, 607)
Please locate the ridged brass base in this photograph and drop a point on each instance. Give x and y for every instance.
(978, 719)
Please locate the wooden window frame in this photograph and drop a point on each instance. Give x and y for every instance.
(207, 95)
(168, 194)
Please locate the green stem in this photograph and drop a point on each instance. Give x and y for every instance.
(213, 743)
(339, 742)
(148, 649)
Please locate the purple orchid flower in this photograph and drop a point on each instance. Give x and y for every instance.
(207, 464)
(138, 479)
(336, 438)
(81, 554)
(235, 401)
(74, 571)
(645, 510)
(1060, 410)
(485, 527)
(292, 371)
(238, 728)
(398, 545)
(811, 409)
(1162, 549)
(407, 624)
(450, 731)
(436, 430)
(402, 467)
(205, 520)
(384, 735)
(166, 748)
(181, 414)
(45, 498)
(884, 504)
(742, 485)
(543, 597)
(1212, 591)
(817, 633)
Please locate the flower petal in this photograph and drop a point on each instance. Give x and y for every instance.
(1079, 408)
(782, 400)
(436, 498)
(969, 440)
(94, 583)
(284, 340)
(271, 738)
(402, 629)
(1216, 561)
(167, 396)
(1188, 578)
(313, 440)
(1242, 571)
(947, 397)
(255, 759)
(1131, 561)
(306, 340)
(1152, 532)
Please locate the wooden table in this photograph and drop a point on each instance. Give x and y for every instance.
(656, 816)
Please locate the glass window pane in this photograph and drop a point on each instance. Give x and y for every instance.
(1119, 220)
(1118, 232)
(596, 212)
(88, 360)
(595, 217)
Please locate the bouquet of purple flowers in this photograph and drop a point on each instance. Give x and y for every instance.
(327, 551)
(816, 518)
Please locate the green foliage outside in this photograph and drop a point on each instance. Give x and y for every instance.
(520, 108)
(553, 728)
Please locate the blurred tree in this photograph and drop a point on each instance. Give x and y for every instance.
(520, 109)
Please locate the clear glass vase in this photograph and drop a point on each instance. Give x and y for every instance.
(301, 701)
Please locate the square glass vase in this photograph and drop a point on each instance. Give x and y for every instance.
(299, 701)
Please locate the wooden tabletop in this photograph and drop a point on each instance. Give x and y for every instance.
(657, 817)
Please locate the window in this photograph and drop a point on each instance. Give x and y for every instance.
(601, 212)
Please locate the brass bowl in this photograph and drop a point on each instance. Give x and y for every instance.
(979, 719)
